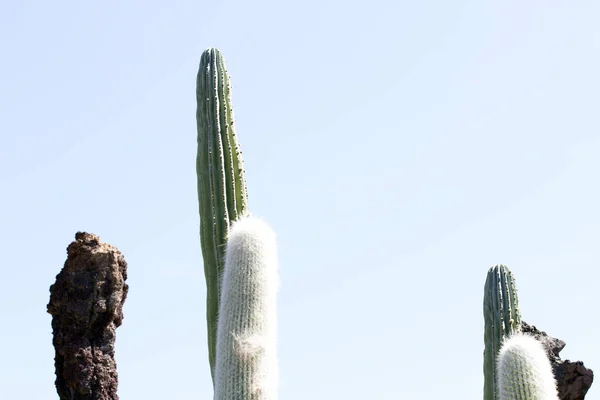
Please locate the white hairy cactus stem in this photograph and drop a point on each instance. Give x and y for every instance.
(246, 358)
(524, 371)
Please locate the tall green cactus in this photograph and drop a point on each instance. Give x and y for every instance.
(524, 370)
(221, 186)
(502, 318)
(246, 367)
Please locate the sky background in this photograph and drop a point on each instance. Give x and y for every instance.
(398, 148)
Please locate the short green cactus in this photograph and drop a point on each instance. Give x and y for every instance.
(220, 172)
(524, 371)
(246, 367)
(502, 318)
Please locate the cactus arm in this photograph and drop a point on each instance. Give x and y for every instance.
(222, 193)
(524, 371)
(246, 367)
(205, 198)
(501, 317)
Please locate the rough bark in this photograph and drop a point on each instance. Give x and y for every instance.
(86, 304)
(573, 378)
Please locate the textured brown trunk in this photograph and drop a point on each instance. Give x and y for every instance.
(86, 304)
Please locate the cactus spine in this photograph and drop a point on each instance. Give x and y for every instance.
(246, 367)
(502, 319)
(221, 186)
(524, 371)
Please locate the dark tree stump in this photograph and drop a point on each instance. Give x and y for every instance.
(573, 378)
(86, 304)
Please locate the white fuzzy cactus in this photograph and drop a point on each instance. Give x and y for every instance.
(524, 371)
(246, 359)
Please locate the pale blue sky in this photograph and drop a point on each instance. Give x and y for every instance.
(398, 148)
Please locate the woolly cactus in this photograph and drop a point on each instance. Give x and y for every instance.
(524, 371)
(502, 318)
(221, 186)
(246, 367)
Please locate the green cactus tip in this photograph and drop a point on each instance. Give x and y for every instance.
(221, 186)
(501, 317)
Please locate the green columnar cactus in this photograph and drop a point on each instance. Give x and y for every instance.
(221, 185)
(524, 371)
(502, 318)
(246, 367)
